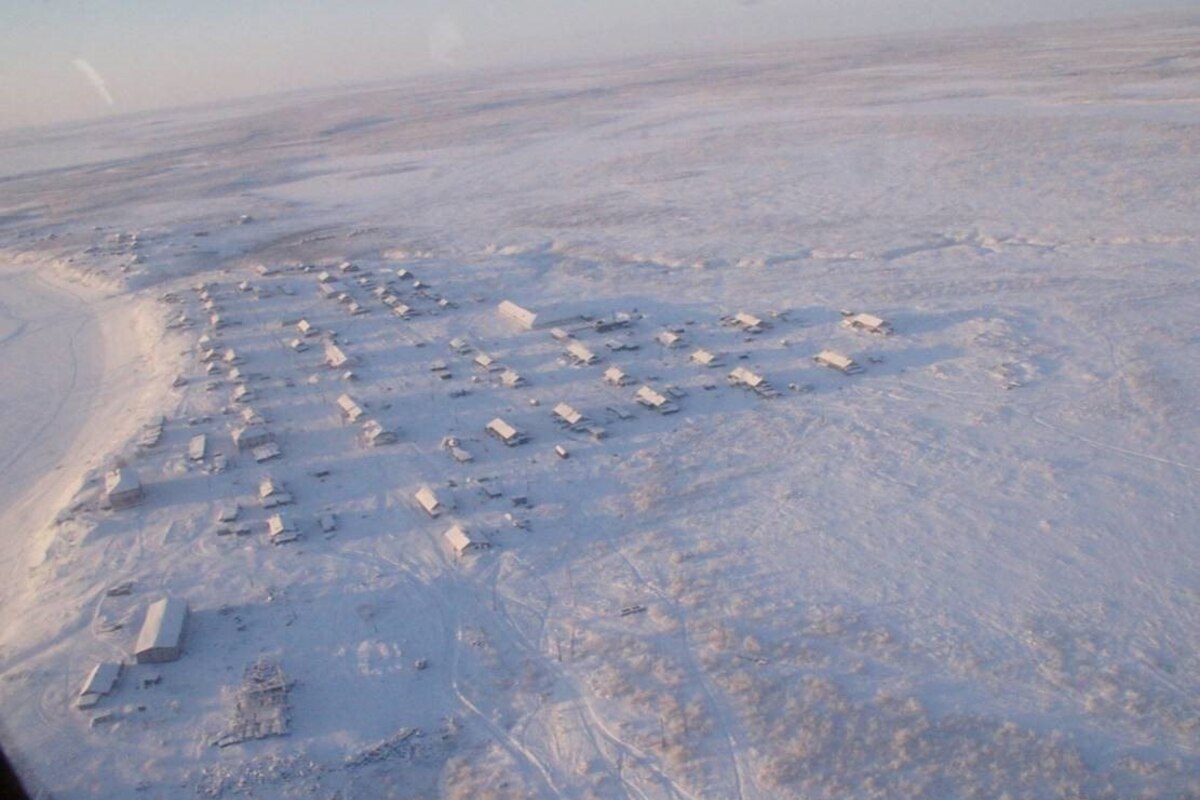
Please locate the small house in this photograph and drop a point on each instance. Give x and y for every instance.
(748, 379)
(349, 407)
(484, 361)
(281, 529)
(251, 435)
(838, 361)
(511, 378)
(460, 345)
(669, 339)
(100, 681)
(567, 414)
(402, 311)
(580, 354)
(198, 447)
(273, 493)
(122, 488)
(375, 435)
(161, 637)
(325, 276)
(266, 452)
(505, 432)
(461, 540)
(748, 322)
(649, 398)
(306, 328)
(428, 500)
(705, 358)
(868, 322)
(334, 356)
(615, 376)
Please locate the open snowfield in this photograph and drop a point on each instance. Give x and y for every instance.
(970, 570)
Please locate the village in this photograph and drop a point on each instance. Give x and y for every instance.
(809, 423)
(377, 329)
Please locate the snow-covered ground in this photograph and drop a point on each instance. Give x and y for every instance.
(969, 570)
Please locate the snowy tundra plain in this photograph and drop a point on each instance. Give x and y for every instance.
(968, 571)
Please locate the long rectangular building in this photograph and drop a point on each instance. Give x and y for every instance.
(161, 637)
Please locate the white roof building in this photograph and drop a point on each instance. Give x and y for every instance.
(198, 447)
(568, 414)
(375, 435)
(335, 356)
(669, 339)
(122, 488)
(324, 276)
(429, 501)
(349, 407)
(705, 359)
(461, 540)
(268, 487)
(281, 529)
(579, 353)
(161, 637)
(511, 378)
(869, 323)
(100, 681)
(652, 399)
(748, 379)
(616, 376)
(742, 376)
(838, 361)
(265, 452)
(402, 311)
(748, 322)
(251, 435)
(505, 432)
(515, 313)
(306, 328)
(485, 361)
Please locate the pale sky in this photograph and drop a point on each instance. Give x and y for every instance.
(75, 59)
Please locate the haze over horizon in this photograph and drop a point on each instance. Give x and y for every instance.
(62, 61)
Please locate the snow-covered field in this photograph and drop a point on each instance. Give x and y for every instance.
(969, 570)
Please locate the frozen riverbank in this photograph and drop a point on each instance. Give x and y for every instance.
(81, 370)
